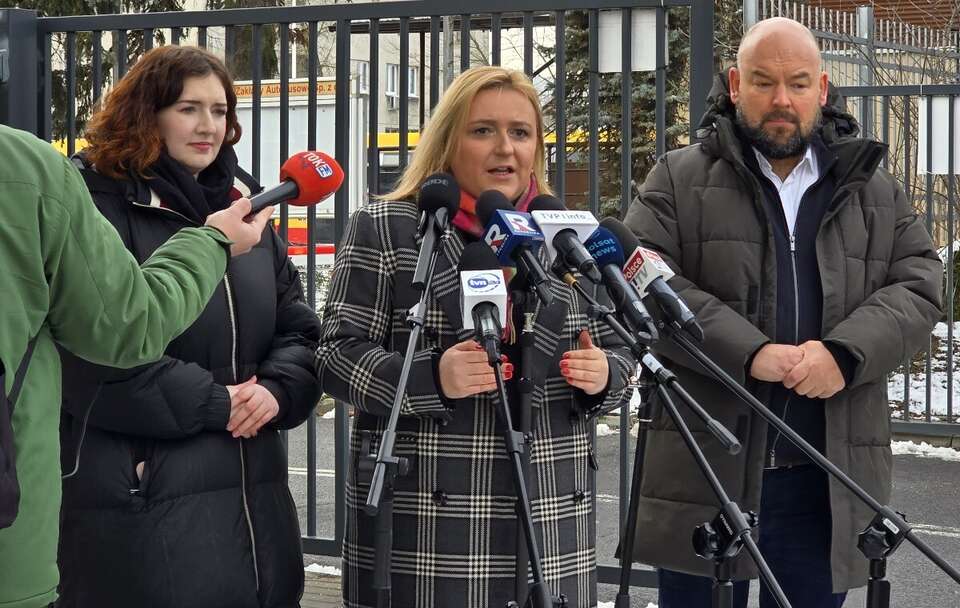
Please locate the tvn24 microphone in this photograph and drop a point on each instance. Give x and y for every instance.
(605, 249)
(514, 237)
(483, 296)
(648, 270)
(438, 201)
(564, 232)
(306, 178)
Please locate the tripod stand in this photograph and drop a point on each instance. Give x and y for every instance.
(729, 532)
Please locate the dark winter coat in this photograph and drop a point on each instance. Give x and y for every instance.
(211, 523)
(455, 530)
(880, 279)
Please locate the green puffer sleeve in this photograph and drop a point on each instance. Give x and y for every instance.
(106, 308)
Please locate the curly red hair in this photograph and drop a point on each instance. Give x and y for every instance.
(122, 135)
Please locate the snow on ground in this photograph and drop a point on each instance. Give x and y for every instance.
(604, 429)
(327, 570)
(938, 380)
(925, 450)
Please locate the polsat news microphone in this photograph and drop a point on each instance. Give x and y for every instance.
(306, 178)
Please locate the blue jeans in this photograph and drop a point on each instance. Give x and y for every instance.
(794, 538)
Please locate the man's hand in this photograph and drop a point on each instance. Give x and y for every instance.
(232, 223)
(251, 407)
(818, 376)
(464, 370)
(773, 362)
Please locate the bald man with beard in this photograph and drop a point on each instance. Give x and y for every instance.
(813, 279)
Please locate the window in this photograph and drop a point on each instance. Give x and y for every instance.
(393, 80)
(413, 81)
(363, 76)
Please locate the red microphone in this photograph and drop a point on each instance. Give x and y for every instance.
(306, 178)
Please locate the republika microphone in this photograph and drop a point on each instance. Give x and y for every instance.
(438, 201)
(564, 232)
(605, 249)
(306, 178)
(648, 270)
(483, 296)
(514, 238)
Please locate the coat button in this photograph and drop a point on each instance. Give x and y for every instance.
(579, 495)
(440, 498)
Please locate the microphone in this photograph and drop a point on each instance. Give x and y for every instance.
(306, 178)
(514, 237)
(483, 297)
(438, 201)
(564, 232)
(605, 249)
(646, 268)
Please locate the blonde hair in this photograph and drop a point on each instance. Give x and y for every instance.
(440, 138)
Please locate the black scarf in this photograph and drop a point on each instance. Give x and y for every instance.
(194, 198)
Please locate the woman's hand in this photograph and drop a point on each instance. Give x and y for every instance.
(464, 370)
(586, 368)
(251, 407)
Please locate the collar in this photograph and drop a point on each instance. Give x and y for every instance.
(808, 163)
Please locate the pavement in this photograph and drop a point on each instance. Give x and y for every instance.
(926, 489)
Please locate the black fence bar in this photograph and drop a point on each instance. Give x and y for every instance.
(660, 113)
(593, 94)
(202, 37)
(464, 42)
(885, 127)
(256, 78)
(495, 24)
(373, 146)
(175, 36)
(422, 81)
(147, 39)
(341, 209)
(951, 238)
(284, 117)
(348, 11)
(560, 107)
(434, 61)
(701, 61)
(404, 92)
(45, 107)
(928, 363)
(71, 66)
(528, 43)
(908, 189)
(120, 54)
(313, 62)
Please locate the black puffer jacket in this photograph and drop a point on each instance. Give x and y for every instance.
(186, 534)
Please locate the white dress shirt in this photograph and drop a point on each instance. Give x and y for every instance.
(792, 189)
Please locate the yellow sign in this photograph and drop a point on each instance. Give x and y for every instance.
(268, 90)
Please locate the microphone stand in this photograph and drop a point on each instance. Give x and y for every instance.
(539, 596)
(888, 529)
(385, 466)
(724, 537)
(525, 387)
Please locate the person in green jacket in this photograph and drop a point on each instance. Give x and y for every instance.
(66, 278)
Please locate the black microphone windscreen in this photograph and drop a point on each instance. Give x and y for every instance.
(627, 239)
(546, 202)
(439, 191)
(478, 256)
(489, 202)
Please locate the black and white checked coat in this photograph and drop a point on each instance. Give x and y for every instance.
(455, 530)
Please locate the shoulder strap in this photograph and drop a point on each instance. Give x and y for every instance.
(21, 373)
